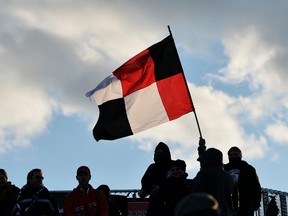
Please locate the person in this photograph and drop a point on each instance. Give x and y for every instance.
(8, 193)
(84, 199)
(155, 174)
(113, 208)
(174, 188)
(247, 181)
(34, 199)
(212, 179)
(272, 208)
(197, 204)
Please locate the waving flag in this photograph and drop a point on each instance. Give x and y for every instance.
(148, 90)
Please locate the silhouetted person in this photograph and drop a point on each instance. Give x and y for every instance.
(174, 188)
(155, 174)
(212, 179)
(34, 199)
(84, 200)
(272, 208)
(247, 181)
(113, 208)
(8, 193)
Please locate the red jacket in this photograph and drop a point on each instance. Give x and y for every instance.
(86, 203)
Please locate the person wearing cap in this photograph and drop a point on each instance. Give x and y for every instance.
(155, 174)
(173, 189)
(84, 200)
(34, 198)
(212, 179)
(8, 192)
(247, 180)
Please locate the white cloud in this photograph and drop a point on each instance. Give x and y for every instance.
(24, 113)
(278, 132)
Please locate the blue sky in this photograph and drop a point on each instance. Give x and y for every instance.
(234, 56)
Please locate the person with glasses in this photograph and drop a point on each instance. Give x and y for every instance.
(34, 198)
(84, 200)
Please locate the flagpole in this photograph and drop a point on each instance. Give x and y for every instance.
(188, 92)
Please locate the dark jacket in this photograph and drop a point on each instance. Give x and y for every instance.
(7, 196)
(248, 185)
(219, 184)
(33, 202)
(172, 191)
(155, 174)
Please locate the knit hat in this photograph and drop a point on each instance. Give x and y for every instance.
(235, 149)
(83, 169)
(180, 164)
(197, 204)
(3, 172)
(211, 156)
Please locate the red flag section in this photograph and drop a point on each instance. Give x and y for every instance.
(146, 91)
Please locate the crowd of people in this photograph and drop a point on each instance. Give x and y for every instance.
(231, 189)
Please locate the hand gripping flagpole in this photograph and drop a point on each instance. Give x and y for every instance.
(202, 146)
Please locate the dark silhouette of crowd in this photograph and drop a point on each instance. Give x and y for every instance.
(231, 189)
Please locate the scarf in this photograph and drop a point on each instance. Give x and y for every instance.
(34, 198)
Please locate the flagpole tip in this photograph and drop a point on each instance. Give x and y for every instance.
(169, 30)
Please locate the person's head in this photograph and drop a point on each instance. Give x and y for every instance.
(162, 154)
(178, 168)
(3, 178)
(83, 176)
(35, 178)
(105, 189)
(211, 157)
(197, 204)
(234, 155)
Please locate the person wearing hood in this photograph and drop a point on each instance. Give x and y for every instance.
(174, 188)
(155, 174)
(246, 178)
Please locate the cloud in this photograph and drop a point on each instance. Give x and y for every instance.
(22, 117)
(55, 51)
(219, 124)
(278, 132)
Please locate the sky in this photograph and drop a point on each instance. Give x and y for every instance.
(233, 53)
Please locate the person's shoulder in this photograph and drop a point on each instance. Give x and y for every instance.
(246, 165)
(74, 191)
(14, 188)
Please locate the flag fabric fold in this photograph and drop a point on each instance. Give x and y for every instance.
(148, 90)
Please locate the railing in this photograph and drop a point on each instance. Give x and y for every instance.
(137, 206)
(280, 198)
(267, 194)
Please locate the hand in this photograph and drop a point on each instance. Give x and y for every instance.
(201, 148)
